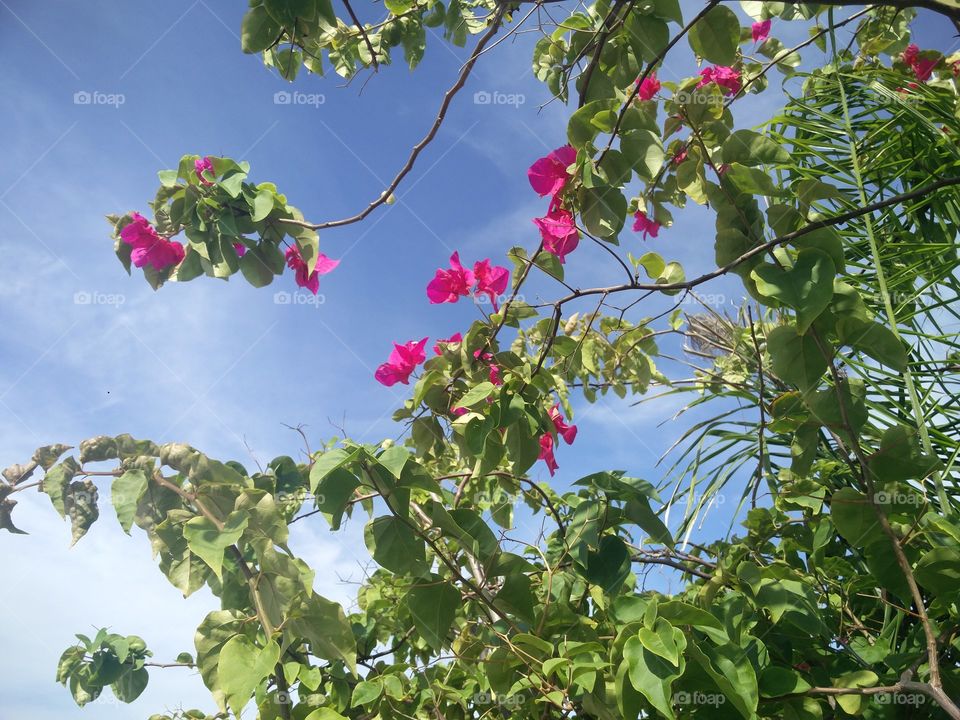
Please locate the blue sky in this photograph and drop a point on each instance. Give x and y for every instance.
(221, 365)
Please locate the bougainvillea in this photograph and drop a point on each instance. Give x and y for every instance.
(834, 426)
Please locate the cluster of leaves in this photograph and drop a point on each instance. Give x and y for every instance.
(839, 596)
(230, 224)
(295, 33)
(107, 659)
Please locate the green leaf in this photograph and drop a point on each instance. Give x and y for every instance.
(647, 35)
(807, 287)
(663, 640)
(130, 685)
(168, 178)
(651, 675)
(393, 459)
(243, 666)
(851, 704)
(258, 31)
(327, 462)
(603, 210)
(939, 572)
(716, 37)
(900, 457)
(262, 204)
(478, 393)
(255, 268)
(751, 180)
(609, 565)
(216, 629)
(644, 149)
(854, 517)
(777, 681)
(873, 339)
(324, 626)
(729, 667)
(796, 358)
(639, 512)
(588, 121)
(395, 546)
(750, 148)
(287, 11)
(125, 494)
(209, 542)
(366, 692)
(56, 481)
(433, 608)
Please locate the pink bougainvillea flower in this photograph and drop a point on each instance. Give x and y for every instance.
(922, 67)
(160, 255)
(559, 233)
(680, 157)
(491, 280)
(202, 165)
(494, 370)
(725, 77)
(402, 362)
(310, 281)
(455, 338)
(546, 453)
(760, 30)
(567, 432)
(548, 175)
(240, 249)
(649, 87)
(648, 226)
(148, 248)
(449, 284)
(458, 411)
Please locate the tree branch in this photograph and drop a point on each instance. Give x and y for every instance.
(427, 139)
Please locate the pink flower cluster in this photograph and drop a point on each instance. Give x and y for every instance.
(201, 166)
(549, 176)
(725, 77)
(922, 67)
(760, 30)
(648, 226)
(401, 363)
(148, 247)
(303, 278)
(648, 88)
(563, 430)
(405, 358)
(450, 284)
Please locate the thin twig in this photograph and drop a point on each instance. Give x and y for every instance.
(427, 139)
